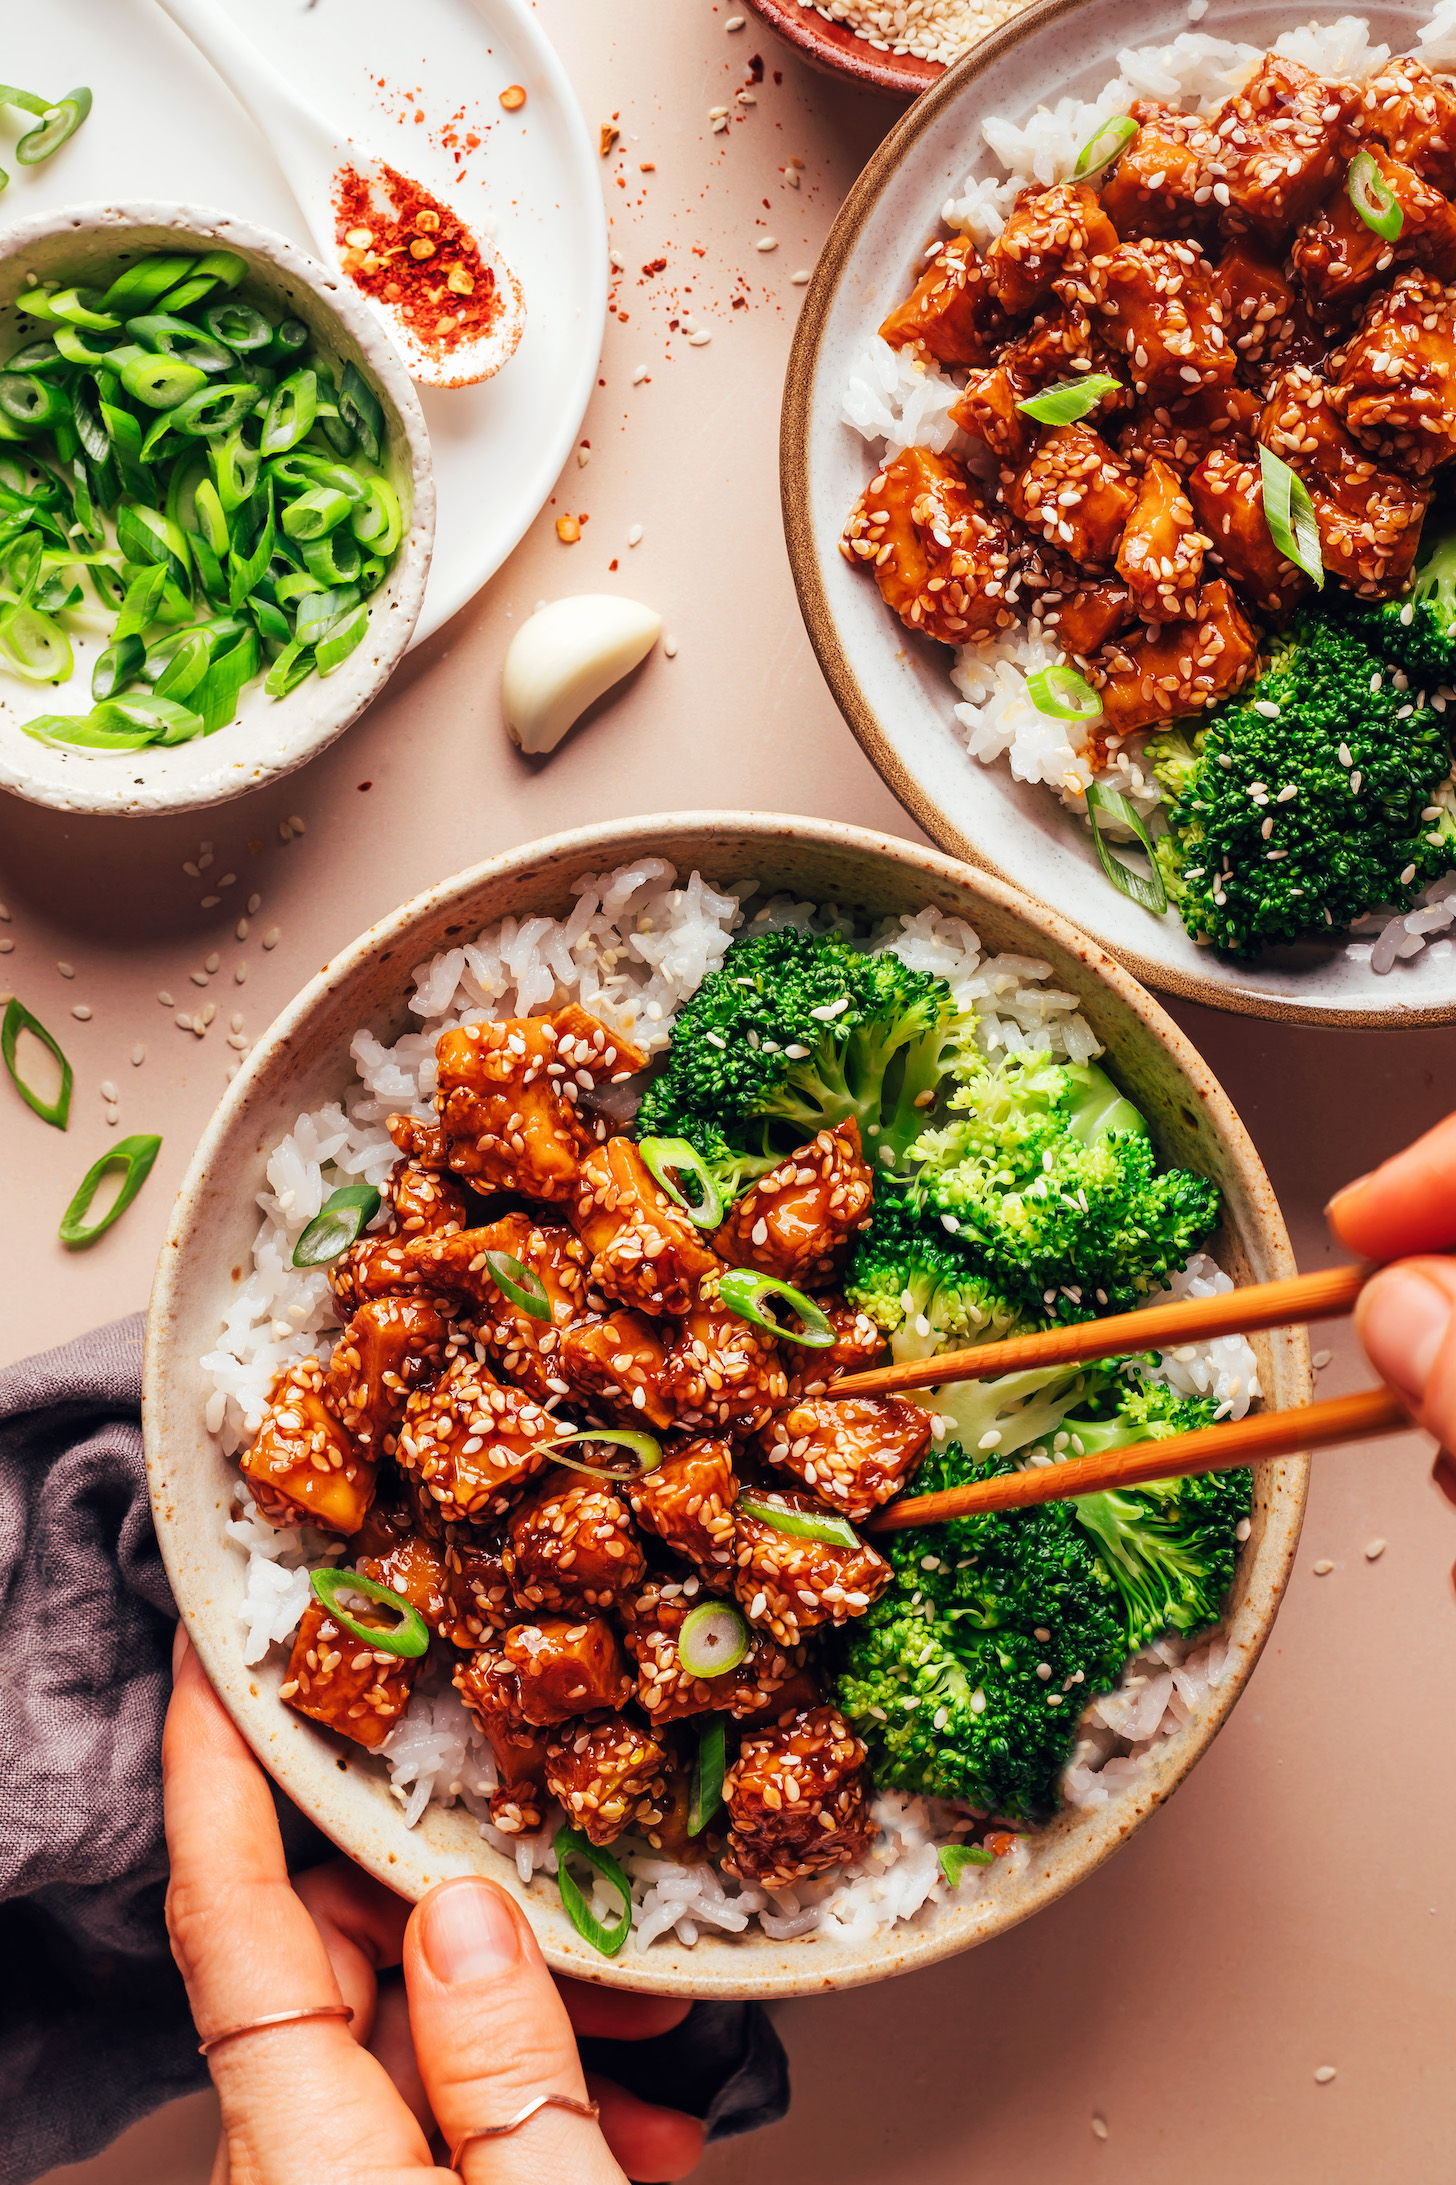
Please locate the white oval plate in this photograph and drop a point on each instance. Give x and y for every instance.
(165, 126)
(892, 688)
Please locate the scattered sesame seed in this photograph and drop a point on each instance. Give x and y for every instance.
(6, 945)
(618, 260)
(237, 1021)
(716, 113)
(108, 1090)
(183, 1021)
(699, 340)
(583, 457)
(255, 904)
(1321, 1359)
(241, 929)
(735, 22)
(285, 832)
(210, 963)
(639, 375)
(1323, 1567)
(1407, 876)
(113, 1117)
(991, 1439)
(198, 978)
(165, 998)
(799, 280)
(240, 973)
(82, 1011)
(191, 870)
(209, 902)
(296, 824)
(1243, 1529)
(67, 971)
(5, 913)
(138, 1055)
(669, 646)
(634, 536)
(271, 937)
(767, 242)
(228, 880)
(1374, 1549)
(721, 124)
(1099, 2124)
(1324, 2074)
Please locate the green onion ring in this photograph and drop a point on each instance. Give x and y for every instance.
(820, 1525)
(572, 1844)
(1069, 399)
(161, 382)
(1105, 146)
(521, 1284)
(742, 1290)
(1063, 694)
(645, 1447)
(57, 123)
(1149, 891)
(33, 646)
(713, 1639)
(119, 665)
(1289, 513)
(662, 1156)
(135, 1156)
(411, 1635)
(709, 1768)
(955, 1858)
(18, 1019)
(1373, 198)
(343, 1217)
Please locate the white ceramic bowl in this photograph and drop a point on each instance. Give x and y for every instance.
(893, 688)
(91, 244)
(303, 1060)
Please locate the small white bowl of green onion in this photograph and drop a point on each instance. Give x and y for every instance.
(216, 508)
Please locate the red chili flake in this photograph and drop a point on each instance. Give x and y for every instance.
(417, 255)
(655, 265)
(740, 303)
(611, 565)
(755, 69)
(366, 785)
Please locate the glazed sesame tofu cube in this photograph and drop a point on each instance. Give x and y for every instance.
(939, 555)
(1282, 137)
(1413, 114)
(1180, 433)
(1161, 555)
(1084, 618)
(619, 1364)
(571, 1546)
(478, 1597)
(1163, 182)
(1257, 300)
(645, 1251)
(797, 1221)
(1050, 233)
(389, 1550)
(1062, 343)
(687, 1502)
(545, 1672)
(950, 313)
(392, 1346)
(722, 1371)
(1369, 513)
(667, 1690)
(1146, 681)
(304, 1467)
(853, 1452)
(473, 1444)
(341, 1681)
(1161, 312)
(987, 411)
(788, 1583)
(608, 1775)
(423, 1196)
(1227, 491)
(508, 1098)
(1338, 257)
(796, 1800)
(1397, 384)
(858, 1345)
(525, 1347)
(1076, 494)
(377, 1266)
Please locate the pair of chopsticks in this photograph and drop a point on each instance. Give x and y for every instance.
(1324, 1296)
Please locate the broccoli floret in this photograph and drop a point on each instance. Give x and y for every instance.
(795, 1033)
(1249, 865)
(905, 1270)
(1170, 1549)
(1417, 633)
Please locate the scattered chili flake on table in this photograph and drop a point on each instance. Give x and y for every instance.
(404, 248)
(568, 530)
(514, 95)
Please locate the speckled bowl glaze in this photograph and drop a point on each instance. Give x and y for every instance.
(304, 1060)
(893, 688)
(269, 737)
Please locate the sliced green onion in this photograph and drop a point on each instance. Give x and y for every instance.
(709, 1768)
(289, 337)
(33, 646)
(1289, 513)
(1105, 146)
(217, 697)
(237, 325)
(713, 1639)
(361, 409)
(1069, 399)
(219, 408)
(186, 668)
(333, 559)
(244, 571)
(293, 666)
(1373, 198)
(57, 123)
(235, 468)
(408, 1639)
(120, 664)
(955, 1858)
(1144, 889)
(339, 1222)
(646, 1448)
(139, 607)
(161, 382)
(143, 283)
(211, 517)
(291, 411)
(572, 1844)
(42, 356)
(376, 521)
(81, 729)
(341, 641)
(167, 720)
(314, 513)
(31, 402)
(821, 1525)
(81, 307)
(134, 1156)
(17, 1020)
(521, 1284)
(169, 336)
(1063, 694)
(743, 1290)
(91, 426)
(29, 102)
(224, 267)
(671, 1158)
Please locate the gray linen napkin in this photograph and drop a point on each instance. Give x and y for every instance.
(94, 2026)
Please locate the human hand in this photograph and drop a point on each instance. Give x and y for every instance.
(474, 2030)
(1405, 1211)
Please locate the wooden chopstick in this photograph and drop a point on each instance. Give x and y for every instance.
(1211, 1449)
(1323, 1296)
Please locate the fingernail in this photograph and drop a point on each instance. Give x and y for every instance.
(1356, 1183)
(1403, 1322)
(470, 1933)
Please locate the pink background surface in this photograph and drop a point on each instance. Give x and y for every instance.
(1292, 1907)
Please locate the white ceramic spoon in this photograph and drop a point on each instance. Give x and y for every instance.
(311, 150)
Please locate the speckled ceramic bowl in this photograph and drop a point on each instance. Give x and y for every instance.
(269, 737)
(304, 1060)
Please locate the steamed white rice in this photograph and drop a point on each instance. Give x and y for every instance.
(895, 401)
(636, 945)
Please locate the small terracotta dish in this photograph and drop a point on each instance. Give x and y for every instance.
(840, 51)
(304, 1060)
(269, 737)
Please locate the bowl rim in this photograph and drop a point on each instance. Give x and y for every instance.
(795, 499)
(670, 1968)
(394, 629)
(839, 51)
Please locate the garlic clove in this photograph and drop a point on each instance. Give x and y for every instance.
(565, 656)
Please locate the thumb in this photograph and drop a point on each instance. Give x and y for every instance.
(1406, 1319)
(491, 2032)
